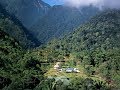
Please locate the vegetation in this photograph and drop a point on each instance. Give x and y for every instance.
(17, 71)
(14, 70)
(61, 20)
(94, 45)
(27, 11)
(93, 48)
(12, 26)
(46, 22)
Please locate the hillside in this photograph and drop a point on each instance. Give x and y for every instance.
(95, 46)
(12, 26)
(27, 11)
(16, 70)
(101, 32)
(93, 49)
(61, 20)
(45, 21)
(9, 49)
(10, 53)
(82, 53)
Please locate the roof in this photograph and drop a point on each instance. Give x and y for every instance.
(56, 66)
(70, 69)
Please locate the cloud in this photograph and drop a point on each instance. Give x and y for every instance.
(96, 3)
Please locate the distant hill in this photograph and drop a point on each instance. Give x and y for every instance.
(46, 22)
(102, 31)
(61, 20)
(27, 11)
(13, 27)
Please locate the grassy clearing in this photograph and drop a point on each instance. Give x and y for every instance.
(68, 61)
(55, 73)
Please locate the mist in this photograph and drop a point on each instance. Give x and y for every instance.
(113, 4)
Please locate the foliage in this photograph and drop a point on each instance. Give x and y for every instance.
(96, 45)
(87, 84)
(12, 26)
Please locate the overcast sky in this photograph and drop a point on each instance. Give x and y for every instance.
(81, 3)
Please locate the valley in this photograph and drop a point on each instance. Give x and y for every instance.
(58, 47)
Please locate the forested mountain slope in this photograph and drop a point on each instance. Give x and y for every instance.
(16, 70)
(96, 45)
(27, 11)
(47, 22)
(61, 20)
(14, 28)
(103, 31)
(10, 53)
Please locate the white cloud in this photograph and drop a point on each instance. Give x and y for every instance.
(96, 3)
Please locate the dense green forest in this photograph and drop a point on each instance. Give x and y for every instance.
(95, 45)
(20, 70)
(93, 48)
(15, 72)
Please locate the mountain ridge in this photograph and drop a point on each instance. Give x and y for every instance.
(26, 11)
(47, 22)
(61, 20)
(16, 28)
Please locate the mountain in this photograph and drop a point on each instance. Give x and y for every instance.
(61, 20)
(102, 31)
(27, 11)
(14, 40)
(12, 26)
(46, 22)
(95, 46)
